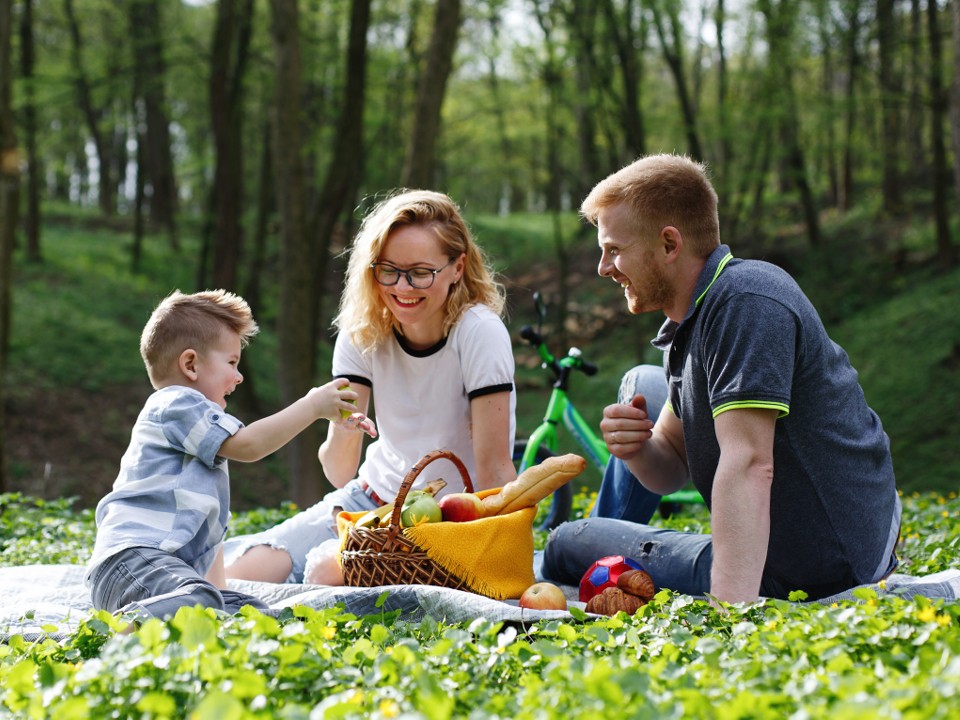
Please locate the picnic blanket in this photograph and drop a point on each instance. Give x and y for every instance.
(34, 596)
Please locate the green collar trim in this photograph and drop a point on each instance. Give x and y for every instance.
(723, 263)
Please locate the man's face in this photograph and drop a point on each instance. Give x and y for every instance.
(632, 261)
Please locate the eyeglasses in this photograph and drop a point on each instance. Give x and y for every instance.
(418, 277)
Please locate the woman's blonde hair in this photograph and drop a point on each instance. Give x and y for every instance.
(362, 314)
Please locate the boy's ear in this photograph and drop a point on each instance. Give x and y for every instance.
(187, 363)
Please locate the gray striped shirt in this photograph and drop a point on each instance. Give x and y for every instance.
(173, 491)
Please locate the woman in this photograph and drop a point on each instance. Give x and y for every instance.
(419, 328)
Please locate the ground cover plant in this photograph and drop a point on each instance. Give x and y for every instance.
(879, 657)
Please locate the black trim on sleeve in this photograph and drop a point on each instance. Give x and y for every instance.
(357, 379)
(491, 390)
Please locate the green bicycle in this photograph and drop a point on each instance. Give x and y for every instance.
(543, 441)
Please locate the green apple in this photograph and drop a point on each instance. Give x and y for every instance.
(423, 509)
(346, 413)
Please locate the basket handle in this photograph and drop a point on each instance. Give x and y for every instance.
(417, 469)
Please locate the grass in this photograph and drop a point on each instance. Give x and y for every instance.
(78, 316)
(879, 656)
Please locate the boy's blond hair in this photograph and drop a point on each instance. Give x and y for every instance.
(192, 321)
(362, 315)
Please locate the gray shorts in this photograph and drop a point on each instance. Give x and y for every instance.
(153, 583)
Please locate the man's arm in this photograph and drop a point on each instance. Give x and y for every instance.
(740, 513)
(655, 454)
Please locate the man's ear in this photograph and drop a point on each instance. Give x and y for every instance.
(672, 241)
(187, 363)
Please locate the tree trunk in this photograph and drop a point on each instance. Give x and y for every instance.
(297, 353)
(584, 15)
(780, 18)
(343, 172)
(955, 100)
(918, 168)
(419, 165)
(31, 223)
(889, 99)
(725, 145)
(673, 55)
(938, 111)
(231, 40)
(630, 44)
(92, 115)
(553, 84)
(511, 195)
(9, 205)
(149, 73)
(845, 198)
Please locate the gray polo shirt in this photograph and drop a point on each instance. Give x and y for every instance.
(752, 339)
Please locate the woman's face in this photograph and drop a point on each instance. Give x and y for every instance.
(420, 311)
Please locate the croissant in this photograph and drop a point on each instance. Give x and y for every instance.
(613, 600)
(637, 582)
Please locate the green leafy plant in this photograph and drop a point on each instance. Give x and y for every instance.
(880, 656)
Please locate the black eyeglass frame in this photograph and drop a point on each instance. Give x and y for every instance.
(406, 273)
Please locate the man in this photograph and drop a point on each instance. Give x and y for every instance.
(764, 412)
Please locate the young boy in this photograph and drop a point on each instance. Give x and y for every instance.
(160, 530)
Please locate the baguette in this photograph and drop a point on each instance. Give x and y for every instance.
(534, 484)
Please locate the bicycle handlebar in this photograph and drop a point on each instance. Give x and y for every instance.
(535, 339)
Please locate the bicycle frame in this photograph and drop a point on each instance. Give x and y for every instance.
(560, 409)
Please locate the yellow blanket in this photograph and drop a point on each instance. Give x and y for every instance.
(493, 555)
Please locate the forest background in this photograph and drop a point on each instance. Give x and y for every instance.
(149, 145)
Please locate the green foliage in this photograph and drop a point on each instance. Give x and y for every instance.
(878, 657)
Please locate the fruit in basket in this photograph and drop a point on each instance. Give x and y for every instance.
(461, 507)
(380, 517)
(543, 596)
(422, 509)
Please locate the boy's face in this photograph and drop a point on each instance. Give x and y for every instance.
(217, 368)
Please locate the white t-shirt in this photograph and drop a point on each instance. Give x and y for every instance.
(421, 398)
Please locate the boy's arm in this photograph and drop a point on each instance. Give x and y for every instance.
(269, 434)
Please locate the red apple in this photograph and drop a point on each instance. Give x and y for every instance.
(461, 507)
(543, 596)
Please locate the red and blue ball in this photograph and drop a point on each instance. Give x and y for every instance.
(604, 573)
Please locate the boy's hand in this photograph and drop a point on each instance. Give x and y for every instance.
(337, 402)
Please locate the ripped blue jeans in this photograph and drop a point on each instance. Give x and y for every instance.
(676, 560)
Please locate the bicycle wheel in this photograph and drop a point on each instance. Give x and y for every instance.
(562, 497)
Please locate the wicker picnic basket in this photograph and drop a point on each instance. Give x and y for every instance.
(385, 556)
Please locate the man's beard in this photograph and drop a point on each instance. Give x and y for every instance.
(657, 293)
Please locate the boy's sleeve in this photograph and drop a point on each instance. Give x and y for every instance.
(198, 427)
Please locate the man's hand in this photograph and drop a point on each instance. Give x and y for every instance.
(626, 428)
